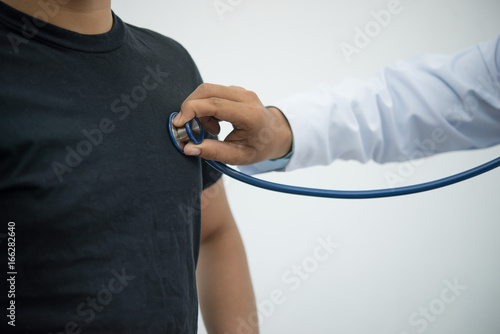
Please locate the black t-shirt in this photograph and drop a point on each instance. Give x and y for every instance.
(106, 211)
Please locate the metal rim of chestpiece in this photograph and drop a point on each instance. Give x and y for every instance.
(192, 131)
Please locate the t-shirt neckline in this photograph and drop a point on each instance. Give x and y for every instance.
(28, 27)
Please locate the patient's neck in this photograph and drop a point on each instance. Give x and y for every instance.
(89, 17)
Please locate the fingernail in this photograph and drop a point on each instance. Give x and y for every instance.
(192, 151)
(177, 117)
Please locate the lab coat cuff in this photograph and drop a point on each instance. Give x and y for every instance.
(273, 165)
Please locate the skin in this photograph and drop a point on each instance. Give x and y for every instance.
(88, 17)
(259, 133)
(224, 284)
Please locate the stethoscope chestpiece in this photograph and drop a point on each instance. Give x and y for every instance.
(192, 131)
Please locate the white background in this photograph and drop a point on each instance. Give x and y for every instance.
(394, 254)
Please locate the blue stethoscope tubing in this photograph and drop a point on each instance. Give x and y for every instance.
(355, 194)
(327, 193)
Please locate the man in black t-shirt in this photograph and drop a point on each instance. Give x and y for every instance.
(109, 218)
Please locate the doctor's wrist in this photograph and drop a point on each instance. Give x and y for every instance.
(283, 143)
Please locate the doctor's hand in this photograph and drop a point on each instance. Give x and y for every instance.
(259, 133)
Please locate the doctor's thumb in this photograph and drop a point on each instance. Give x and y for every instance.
(225, 152)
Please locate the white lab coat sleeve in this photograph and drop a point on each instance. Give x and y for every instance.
(422, 106)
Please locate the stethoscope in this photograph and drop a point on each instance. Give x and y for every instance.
(193, 131)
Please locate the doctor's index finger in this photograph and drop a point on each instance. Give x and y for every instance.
(214, 100)
(237, 113)
(206, 90)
